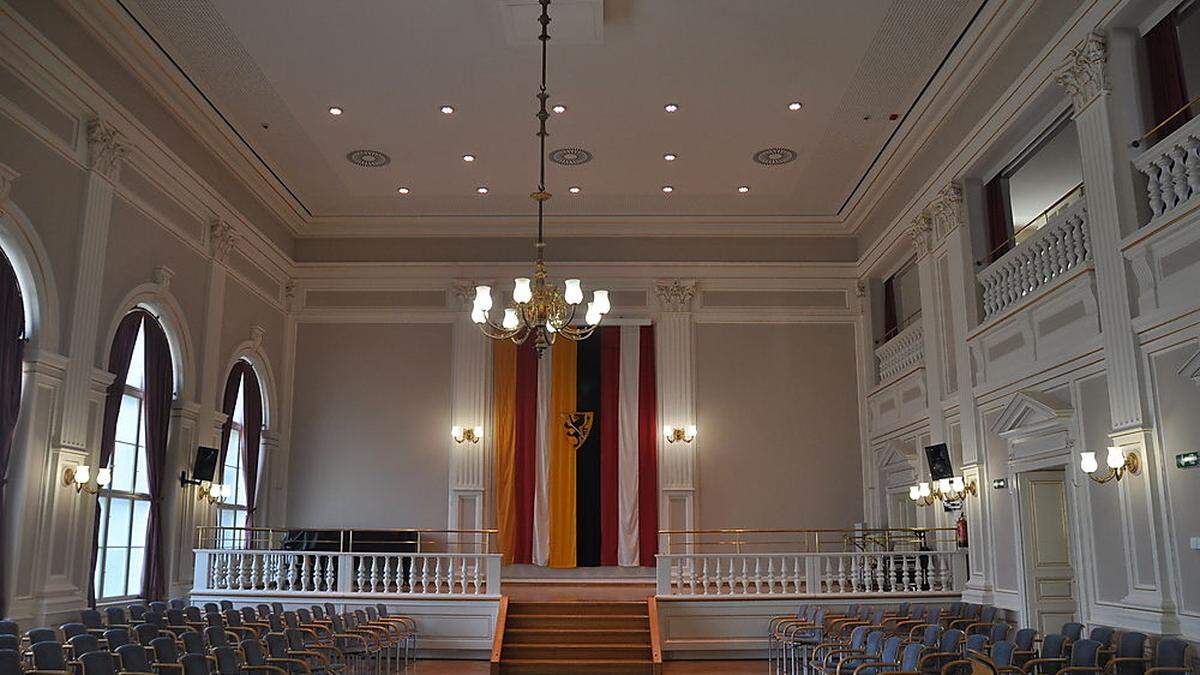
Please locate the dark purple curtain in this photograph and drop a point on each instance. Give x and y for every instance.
(160, 386)
(999, 227)
(253, 409)
(118, 364)
(1168, 89)
(228, 404)
(12, 346)
(889, 308)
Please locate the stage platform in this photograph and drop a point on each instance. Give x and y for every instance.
(531, 583)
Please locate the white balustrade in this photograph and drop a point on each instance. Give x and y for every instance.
(819, 574)
(347, 574)
(1062, 244)
(901, 353)
(1172, 169)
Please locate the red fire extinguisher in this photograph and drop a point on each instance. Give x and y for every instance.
(960, 531)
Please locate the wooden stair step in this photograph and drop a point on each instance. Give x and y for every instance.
(576, 635)
(578, 621)
(576, 607)
(577, 651)
(557, 667)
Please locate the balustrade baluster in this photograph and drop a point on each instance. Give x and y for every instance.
(478, 563)
(1179, 180)
(1192, 165)
(424, 574)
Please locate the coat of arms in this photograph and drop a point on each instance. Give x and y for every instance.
(577, 425)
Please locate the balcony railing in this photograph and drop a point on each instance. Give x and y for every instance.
(1059, 246)
(811, 574)
(902, 353)
(1172, 167)
(822, 540)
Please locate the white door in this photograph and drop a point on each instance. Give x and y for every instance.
(902, 510)
(1046, 550)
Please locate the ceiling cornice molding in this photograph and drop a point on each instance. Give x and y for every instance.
(111, 24)
(1036, 77)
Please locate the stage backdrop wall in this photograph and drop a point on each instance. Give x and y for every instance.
(778, 415)
(372, 414)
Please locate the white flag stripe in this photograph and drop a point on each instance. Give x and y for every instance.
(541, 497)
(627, 447)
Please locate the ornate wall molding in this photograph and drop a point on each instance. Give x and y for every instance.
(222, 239)
(946, 211)
(106, 148)
(675, 295)
(1084, 73)
(921, 233)
(7, 176)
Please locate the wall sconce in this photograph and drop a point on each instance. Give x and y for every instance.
(461, 434)
(80, 478)
(1117, 461)
(947, 490)
(213, 492)
(675, 434)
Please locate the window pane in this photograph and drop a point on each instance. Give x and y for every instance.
(1050, 173)
(229, 478)
(1188, 25)
(137, 364)
(118, 523)
(136, 558)
(123, 464)
(127, 420)
(141, 522)
(240, 518)
(239, 413)
(142, 486)
(114, 573)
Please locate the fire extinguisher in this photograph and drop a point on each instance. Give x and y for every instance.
(960, 531)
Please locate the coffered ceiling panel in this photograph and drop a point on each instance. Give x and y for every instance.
(273, 68)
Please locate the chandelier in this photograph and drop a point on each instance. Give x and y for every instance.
(538, 308)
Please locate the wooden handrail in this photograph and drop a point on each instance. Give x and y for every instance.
(498, 638)
(655, 636)
(1137, 142)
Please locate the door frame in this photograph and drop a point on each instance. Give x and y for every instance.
(1023, 556)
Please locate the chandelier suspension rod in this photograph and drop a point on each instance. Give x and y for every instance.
(542, 116)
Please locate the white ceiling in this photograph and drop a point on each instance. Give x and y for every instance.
(732, 66)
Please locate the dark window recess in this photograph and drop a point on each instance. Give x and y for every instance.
(1173, 59)
(999, 218)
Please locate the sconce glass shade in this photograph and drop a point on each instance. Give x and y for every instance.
(103, 477)
(944, 485)
(483, 298)
(478, 433)
(925, 490)
(573, 294)
(226, 491)
(1087, 462)
(689, 432)
(667, 430)
(478, 315)
(522, 293)
(510, 319)
(1115, 458)
(593, 315)
(600, 300)
(914, 492)
(83, 474)
(956, 484)
(456, 432)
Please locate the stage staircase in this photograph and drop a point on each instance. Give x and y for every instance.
(576, 637)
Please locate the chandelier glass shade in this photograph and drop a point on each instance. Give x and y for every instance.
(539, 308)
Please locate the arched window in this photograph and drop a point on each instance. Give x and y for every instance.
(12, 344)
(241, 438)
(128, 552)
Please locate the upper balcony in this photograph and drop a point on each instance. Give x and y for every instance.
(1172, 169)
(902, 353)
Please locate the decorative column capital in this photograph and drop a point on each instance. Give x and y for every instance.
(7, 176)
(222, 239)
(257, 333)
(1084, 73)
(921, 234)
(462, 292)
(289, 295)
(946, 213)
(106, 148)
(162, 277)
(675, 295)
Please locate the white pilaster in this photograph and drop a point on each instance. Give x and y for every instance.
(106, 150)
(922, 238)
(676, 372)
(222, 240)
(470, 465)
(179, 513)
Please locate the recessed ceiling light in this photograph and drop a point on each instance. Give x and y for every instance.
(560, 108)
(574, 189)
(668, 189)
(795, 105)
(744, 189)
(671, 107)
(403, 190)
(670, 157)
(468, 158)
(482, 189)
(447, 109)
(334, 110)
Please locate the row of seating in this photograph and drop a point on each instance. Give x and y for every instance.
(870, 640)
(221, 638)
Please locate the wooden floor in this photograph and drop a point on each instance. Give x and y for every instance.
(481, 667)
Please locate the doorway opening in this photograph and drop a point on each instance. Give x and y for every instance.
(1045, 534)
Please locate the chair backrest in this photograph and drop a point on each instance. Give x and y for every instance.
(1170, 653)
(91, 618)
(971, 610)
(372, 613)
(277, 646)
(193, 614)
(956, 609)
(226, 604)
(1002, 652)
(214, 619)
(227, 661)
(232, 618)
(330, 610)
(98, 663)
(318, 612)
(155, 617)
(211, 607)
(193, 642)
(194, 664)
(1072, 630)
(1102, 634)
(133, 659)
(902, 609)
(975, 643)
(116, 616)
(911, 656)
(1131, 645)
(304, 615)
(48, 656)
(818, 616)
(137, 612)
(216, 637)
(146, 632)
(998, 632)
(934, 615)
(891, 649)
(383, 610)
(252, 651)
(37, 635)
(177, 603)
(165, 650)
(10, 641)
(116, 637)
(950, 640)
(291, 620)
(10, 662)
(876, 617)
(71, 629)
(987, 614)
(1025, 637)
(276, 622)
(1053, 646)
(84, 643)
(9, 627)
(159, 606)
(264, 610)
(295, 638)
(339, 625)
(175, 617)
(858, 637)
(874, 643)
(277, 607)
(1085, 653)
(930, 635)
